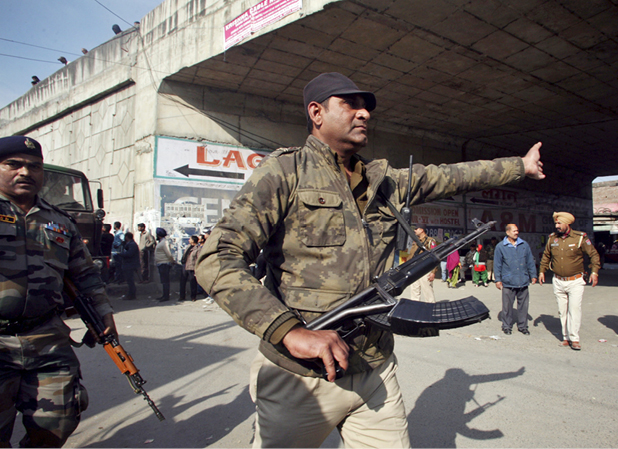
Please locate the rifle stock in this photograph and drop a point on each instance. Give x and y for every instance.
(122, 359)
(377, 305)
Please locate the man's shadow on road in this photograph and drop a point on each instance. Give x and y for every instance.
(551, 323)
(609, 321)
(439, 412)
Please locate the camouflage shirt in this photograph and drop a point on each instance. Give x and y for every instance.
(320, 248)
(37, 250)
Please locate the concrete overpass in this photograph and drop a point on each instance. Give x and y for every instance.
(455, 80)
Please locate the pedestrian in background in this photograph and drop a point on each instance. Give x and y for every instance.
(107, 240)
(479, 270)
(164, 261)
(421, 289)
(452, 266)
(491, 247)
(130, 263)
(189, 258)
(467, 262)
(116, 250)
(146, 245)
(564, 255)
(515, 269)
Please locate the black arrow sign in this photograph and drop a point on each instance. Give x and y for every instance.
(187, 171)
(478, 200)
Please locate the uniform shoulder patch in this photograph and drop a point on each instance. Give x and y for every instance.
(280, 151)
(8, 218)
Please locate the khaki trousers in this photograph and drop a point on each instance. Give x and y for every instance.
(296, 411)
(421, 290)
(569, 295)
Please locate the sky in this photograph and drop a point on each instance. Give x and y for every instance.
(64, 26)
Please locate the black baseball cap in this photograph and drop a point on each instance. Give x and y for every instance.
(326, 85)
(19, 144)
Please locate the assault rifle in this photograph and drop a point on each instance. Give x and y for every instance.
(122, 359)
(377, 305)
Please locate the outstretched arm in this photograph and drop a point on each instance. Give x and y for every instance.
(532, 162)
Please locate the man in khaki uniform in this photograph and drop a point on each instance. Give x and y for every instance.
(421, 290)
(318, 214)
(564, 255)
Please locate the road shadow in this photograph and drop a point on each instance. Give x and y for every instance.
(551, 323)
(610, 322)
(439, 413)
(201, 429)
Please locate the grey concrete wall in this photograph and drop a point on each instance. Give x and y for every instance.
(98, 139)
(197, 112)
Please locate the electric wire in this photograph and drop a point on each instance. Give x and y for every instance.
(30, 59)
(38, 46)
(97, 1)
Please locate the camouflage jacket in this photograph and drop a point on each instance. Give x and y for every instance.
(37, 250)
(321, 250)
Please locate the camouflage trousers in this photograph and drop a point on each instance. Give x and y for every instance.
(39, 377)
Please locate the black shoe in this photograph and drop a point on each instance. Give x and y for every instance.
(525, 331)
(507, 331)
(161, 299)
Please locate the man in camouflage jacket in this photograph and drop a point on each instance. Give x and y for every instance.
(39, 246)
(325, 233)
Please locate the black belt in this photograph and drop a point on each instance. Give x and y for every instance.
(25, 325)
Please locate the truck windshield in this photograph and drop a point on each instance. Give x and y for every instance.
(66, 191)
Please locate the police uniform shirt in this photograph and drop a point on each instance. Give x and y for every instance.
(564, 255)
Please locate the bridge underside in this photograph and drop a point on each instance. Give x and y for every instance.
(504, 74)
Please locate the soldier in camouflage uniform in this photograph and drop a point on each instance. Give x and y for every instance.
(325, 233)
(39, 246)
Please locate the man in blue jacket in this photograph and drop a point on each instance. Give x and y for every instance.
(514, 269)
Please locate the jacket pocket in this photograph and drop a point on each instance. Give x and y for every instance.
(320, 218)
(8, 247)
(57, 249)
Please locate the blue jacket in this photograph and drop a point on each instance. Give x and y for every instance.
(514, 265)
(130, 256)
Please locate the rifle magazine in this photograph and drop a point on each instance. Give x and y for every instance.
(422, 319)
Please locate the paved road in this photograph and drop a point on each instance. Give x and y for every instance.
(470, 387)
